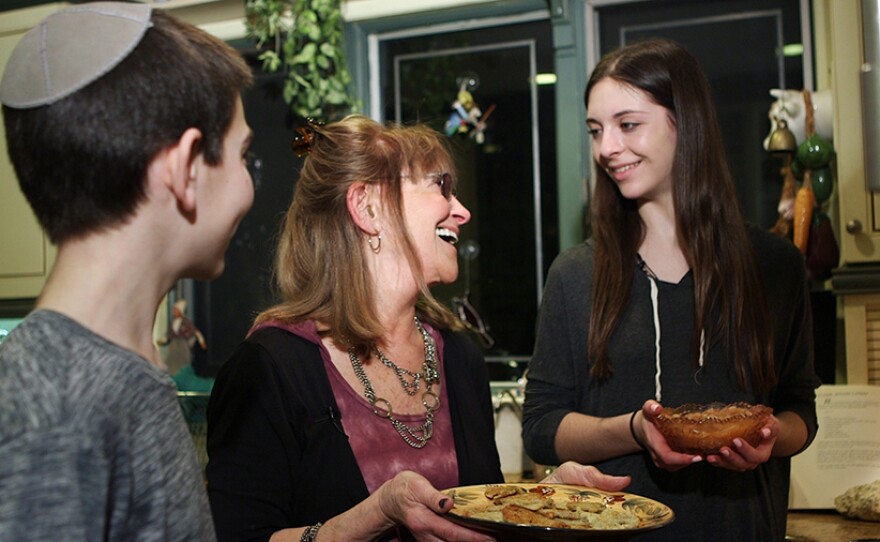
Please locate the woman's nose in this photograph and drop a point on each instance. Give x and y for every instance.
(459, 211)
(609, 145)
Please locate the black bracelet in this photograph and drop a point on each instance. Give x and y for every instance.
(632, 429)
(311, 533)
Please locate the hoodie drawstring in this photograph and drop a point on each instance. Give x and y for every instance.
(655, 305)
(654, 292)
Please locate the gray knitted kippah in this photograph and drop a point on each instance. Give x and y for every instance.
(69, 49)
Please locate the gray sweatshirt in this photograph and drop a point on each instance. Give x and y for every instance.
(93, 445)
(709, 503)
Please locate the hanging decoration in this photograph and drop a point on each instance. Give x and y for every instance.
(467, 118)
(802, 216)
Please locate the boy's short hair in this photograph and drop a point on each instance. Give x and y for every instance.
(81, 160)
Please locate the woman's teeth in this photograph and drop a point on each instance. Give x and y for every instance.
(623, 168)
(447, 235)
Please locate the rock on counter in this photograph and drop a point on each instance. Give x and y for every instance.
(860, 502)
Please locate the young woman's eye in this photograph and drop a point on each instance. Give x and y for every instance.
(593, 131)
(628, 126)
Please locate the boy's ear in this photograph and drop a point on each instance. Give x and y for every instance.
(360, 200)
(184, 162)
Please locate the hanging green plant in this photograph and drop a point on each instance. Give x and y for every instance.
(304, 39)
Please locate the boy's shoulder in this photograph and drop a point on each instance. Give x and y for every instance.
(86, 426)
(52, 368)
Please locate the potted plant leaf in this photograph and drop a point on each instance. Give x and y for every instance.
(304, 40)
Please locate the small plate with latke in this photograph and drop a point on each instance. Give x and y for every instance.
(554, 511)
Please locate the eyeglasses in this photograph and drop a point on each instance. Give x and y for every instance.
(445, 182)
(443, 179)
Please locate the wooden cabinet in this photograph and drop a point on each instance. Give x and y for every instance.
(859, 210)
(26, 255)
(862, 314)
(840, 56)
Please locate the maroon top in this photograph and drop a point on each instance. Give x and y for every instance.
(380, 451)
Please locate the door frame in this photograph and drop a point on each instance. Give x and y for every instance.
(529, 44)
(591, 23)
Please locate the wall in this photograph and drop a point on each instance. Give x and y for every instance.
(26, 256)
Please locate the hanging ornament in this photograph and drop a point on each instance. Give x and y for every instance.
(823, 253)
(467, 119)
(823, 184)
(813, 233)
(801, 217)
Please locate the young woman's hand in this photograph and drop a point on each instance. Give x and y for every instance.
(571, 472)
(655, 443)
(743, 456)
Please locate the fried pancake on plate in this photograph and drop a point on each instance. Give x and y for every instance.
(532, 501)
(561, 513)
(586, 506)
(614, 518)
(514, 513)
(496, 492)
(490, 512)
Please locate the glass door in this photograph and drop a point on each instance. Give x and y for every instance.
(746, 48)
(505, 157)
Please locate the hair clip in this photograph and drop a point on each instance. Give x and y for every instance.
(308, 133)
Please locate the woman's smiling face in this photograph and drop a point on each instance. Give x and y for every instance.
(633, 139)
(433, 217)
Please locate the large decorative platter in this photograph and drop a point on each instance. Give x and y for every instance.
(554, 512)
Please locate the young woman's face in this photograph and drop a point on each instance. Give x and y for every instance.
(633, 139)
(433, 218)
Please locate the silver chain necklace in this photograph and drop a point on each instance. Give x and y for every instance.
(411, 387)
(416, 436)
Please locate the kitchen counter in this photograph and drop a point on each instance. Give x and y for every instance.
(829, 526)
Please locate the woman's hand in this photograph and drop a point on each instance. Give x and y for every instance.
(410, 500)
(743, 456)
(655, 443)
(586, 475)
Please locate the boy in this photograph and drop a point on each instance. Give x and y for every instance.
(126, 131)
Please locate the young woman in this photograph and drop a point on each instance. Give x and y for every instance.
(673, 300)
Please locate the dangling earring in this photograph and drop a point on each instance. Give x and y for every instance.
(378, 246)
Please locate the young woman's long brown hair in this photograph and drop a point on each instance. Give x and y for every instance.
(728, 297)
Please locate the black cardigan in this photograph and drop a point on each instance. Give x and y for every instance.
(278, 455)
